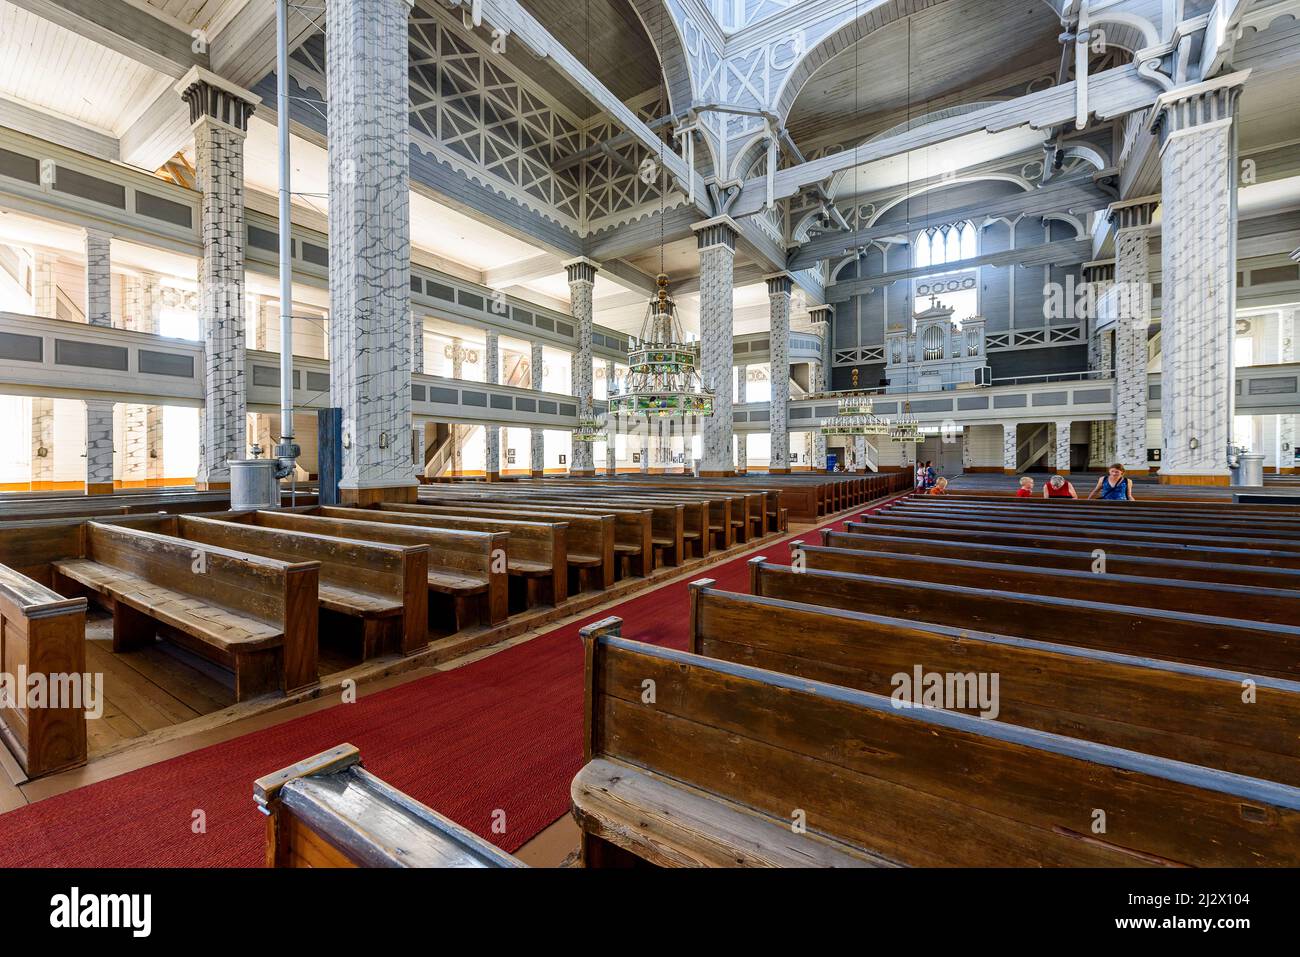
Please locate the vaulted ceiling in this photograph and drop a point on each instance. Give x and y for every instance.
(940, 52)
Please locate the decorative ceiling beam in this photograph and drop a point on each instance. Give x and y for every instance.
(1110, 94)
(46, 126)
(243, 53)
(526, 270)
(516, 22)
(125, 29)
(1080, 193)
(1064, 252)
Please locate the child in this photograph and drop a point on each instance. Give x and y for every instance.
(1026, 489)
(940, 487)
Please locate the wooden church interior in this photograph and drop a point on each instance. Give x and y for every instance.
(493, 433)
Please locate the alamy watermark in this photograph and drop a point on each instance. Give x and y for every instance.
(39, 690)
(949, 691)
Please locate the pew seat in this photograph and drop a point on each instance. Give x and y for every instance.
(256, 616)
(671, 824)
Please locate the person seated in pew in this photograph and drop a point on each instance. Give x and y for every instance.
(1058, 487)
(1113, 486)
(940, 487)
(1026, 489)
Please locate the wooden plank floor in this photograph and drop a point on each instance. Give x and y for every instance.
(159, 686)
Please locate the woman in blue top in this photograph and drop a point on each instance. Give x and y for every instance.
(1113, 486)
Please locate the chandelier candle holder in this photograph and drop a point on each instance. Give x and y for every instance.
(590, 428)
(663, 369)
(857, 418)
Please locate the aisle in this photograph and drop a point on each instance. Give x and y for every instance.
(501, 734)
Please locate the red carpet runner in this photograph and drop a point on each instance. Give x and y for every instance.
(504, 733)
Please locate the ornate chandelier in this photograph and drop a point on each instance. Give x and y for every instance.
(590, 428)
(856, 417)
(663, 369)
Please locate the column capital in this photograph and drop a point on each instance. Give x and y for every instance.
(581, 269)
(1100, 270)
(90, 232)
(718, 231)
(779, 284)
(1205, 104)
(219, 101)
(821, 313)
(1133, 213)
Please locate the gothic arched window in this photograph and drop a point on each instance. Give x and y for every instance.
(940, 245)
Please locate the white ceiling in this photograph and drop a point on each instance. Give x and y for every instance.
(436, 229)
(48, 68)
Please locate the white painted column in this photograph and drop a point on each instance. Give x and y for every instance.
(716, 239)
(99, 447)
(492, 433)
(582, 281)
(370, 244)
(1197, 131)
(219, 113)
(1132, 295)
(99, 277)
(779, 288)
(1010, 449)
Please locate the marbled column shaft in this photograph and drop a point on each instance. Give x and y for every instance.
(142, 462)
(819, 439)
(582, 279)
(1061, 446)
(370, 243)
(611, 448)
(99, 447)
(42, 444)
(537, 437)
(219, 118)
(417, 344)
(779, 289)
(492, 376)
(99, 278)
(45, 285)
(1132, 294)
(1198, 283)
(967, 449)
(1010, 448)
(716, 240)
(742, 387)
(1286, 424)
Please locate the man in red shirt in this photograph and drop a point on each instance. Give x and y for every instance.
(1058, 487)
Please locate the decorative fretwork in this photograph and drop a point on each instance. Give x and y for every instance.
(472, 108)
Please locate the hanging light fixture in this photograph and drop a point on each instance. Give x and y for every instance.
(663, 368)
(591, 428)
(856, 416)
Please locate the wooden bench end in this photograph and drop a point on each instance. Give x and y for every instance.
(266, 789)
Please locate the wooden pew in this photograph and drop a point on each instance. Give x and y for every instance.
(1117, 560)
(1198, 715)
(1204, 537)
(1200, 598)
(328, 811)
(726, 758)
(378, 586)
(1131, 512)
(1223, 527)
(256, 616)
(537, 552)
(1212, 642)
(42, 633)
(744, 514)
(1117, 539)
(470, 568)
(591, 553)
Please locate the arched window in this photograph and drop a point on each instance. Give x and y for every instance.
(940, 245)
